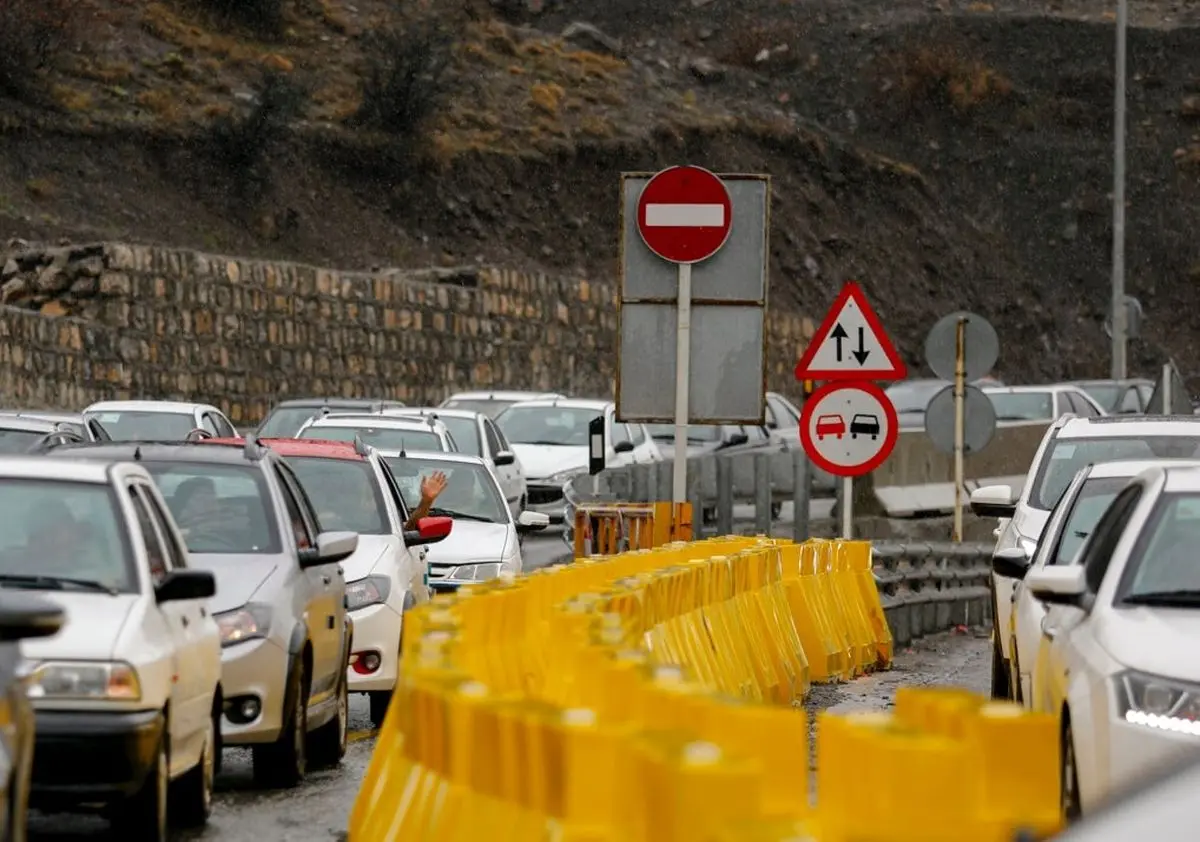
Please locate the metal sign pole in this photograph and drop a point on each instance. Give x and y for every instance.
(848, 508)
(683, 352)
(1166, 381)
(960, 382)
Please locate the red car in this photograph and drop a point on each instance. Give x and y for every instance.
(830, 425)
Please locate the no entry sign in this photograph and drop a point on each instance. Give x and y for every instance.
(684, 214)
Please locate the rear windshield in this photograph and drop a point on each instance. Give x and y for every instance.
(344, 492)
(18, 441)
(219, 508)
(63, 529)
(381, 438)
(145, 426)
(466, 434)
(1023, 406)
(1068, 456)
(286, 421)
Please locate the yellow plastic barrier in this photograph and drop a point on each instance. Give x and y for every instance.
(651, 696)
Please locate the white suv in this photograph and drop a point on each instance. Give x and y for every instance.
(127, 697)
(386, 432)
(1070, 443)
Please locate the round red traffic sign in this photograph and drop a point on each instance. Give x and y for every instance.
(848, 428)
(684, 214)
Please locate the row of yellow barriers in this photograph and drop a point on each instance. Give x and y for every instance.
(654, 696)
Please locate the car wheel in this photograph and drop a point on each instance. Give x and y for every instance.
(143, 815)
(327, 745)
(1069, 778)
(379, 701)
(1000, 682)
(193, 795)
(284, 763)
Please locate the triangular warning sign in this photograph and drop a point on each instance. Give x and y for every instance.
(851, 344)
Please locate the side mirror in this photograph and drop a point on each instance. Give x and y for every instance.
(332, 547)
(24, 616)
(993, 501)
(532, 521)
(1059, 585)
(186, 584)
(504, 457)
(1013, 563)
(429, 530)
(623, 447)
(736, 439)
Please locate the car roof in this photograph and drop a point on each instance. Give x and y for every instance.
(1181, 478)
(503, 395)
(433, 456)
(44, 415)
(1018, 390)
(38, 467)
(1129, 468)
(132, 451)
(1106, 381)
(1115, 426)
(302, 447)
(179, 407)
(349, 403)
(566, 403)
(432, 412)
(30, 425)
(393, 422)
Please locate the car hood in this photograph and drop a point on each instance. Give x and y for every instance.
(540, 461)
(238, 576)
(1159, 641)
(470, 540)
(92, 628)
(371, 548)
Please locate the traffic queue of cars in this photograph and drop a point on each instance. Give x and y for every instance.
(1097, 597)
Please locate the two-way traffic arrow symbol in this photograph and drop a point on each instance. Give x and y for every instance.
(839, 333)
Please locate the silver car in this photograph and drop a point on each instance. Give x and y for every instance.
(281, 596)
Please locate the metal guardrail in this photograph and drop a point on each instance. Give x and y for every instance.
(927, 588)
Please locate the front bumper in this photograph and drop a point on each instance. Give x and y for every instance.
(1137, 752)
(92, 757)
(376, 629)
(547, 499)
(254, 668)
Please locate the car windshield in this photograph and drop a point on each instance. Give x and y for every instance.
(219, 508)
(345, 493)
(1093, 499)
(382, 438)
(547, 425)
(1164, 558)
(285, 421)
(145, 425)
(57, 531)
(470, 493)
(1068, 456)
(490, 408)
(1023, 406)
(1104, 394)
(18, 441)
(696, 432)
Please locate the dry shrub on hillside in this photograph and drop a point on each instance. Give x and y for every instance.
(263, 16)
(33, 33)
(772, 49)
(405, 76)
(942, 76)
(242, 143)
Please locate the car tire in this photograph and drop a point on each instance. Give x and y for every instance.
(193, 793)
(379, 701)
(284, 763)
(1000, 673)
(1069, 775)
(327, 744)
(143, 816)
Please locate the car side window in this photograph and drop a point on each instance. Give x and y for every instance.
(156, 555)
(782, 414)
(302, 528)
(756, 434)
(620, 433)
(394, 489)
(1099, 549)
(175, 552)
(225, 428)
(1131, 401)
(493, 441)
(504, 445)
(772, 420)
(1082, 405)
(207, 423)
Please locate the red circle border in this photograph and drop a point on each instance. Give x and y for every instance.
(728, 204)
(889, 441)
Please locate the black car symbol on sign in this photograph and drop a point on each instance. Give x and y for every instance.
(868, 425)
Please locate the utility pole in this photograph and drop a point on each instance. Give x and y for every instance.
(1120, 321)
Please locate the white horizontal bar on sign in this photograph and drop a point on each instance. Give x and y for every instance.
(685, 216)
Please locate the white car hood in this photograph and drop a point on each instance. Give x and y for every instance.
(371, 548)
(541, 461)
(93, 625)
(238, 577)
(1160, 641)
(471, 540)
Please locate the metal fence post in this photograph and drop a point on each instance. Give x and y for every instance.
(724, 496)
(762, 493)
(641, 483)
(664, 475)
(801, 495)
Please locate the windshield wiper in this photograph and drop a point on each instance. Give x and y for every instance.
(55, 583)
(1182, 598)
(545, 443)
(460, 515)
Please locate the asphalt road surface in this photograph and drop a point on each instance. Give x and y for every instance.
(317, 810)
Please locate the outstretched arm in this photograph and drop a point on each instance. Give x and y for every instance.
(431, 487)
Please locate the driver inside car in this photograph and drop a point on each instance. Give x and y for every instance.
(60, 545)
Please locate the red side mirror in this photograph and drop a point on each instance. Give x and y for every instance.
(434, 528)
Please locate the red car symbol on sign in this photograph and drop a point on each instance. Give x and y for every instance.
(830, 425)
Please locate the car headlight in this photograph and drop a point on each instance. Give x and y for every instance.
(250, 622)
(1158, 703)
(372, 590)
(563, 477)
(100, 680)
(476, 572)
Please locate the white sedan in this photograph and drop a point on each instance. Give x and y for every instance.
(1120, 638)
(486, 540)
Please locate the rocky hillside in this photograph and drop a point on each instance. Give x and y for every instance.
(947, 155)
